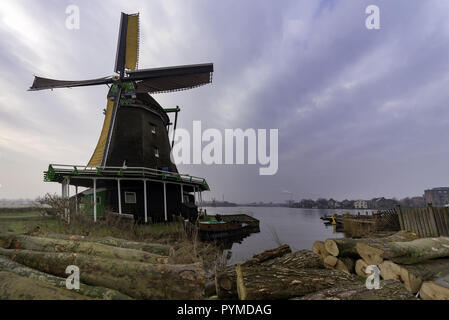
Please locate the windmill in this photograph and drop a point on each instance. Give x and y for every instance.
(134, 136)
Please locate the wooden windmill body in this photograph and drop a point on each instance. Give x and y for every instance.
(130, 171)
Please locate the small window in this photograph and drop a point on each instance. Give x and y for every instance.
(156, 152)
(153, 128)
(130, 197)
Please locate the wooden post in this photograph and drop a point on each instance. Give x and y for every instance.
(165, 201)
(145, 200)
(182, 193)
(119, 193)
(95, 200)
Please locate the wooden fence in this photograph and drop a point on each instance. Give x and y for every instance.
(425, 222)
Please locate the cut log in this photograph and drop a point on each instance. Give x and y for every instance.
(269, 254)
(15, 287)
(84, 247)
(390, 290)
(360, 268)
(414, 275)
(431, 290)
(226, 278)
(89, 291)
(298, 260)
(267, 283)
(330, 261)
(156, 248)
(136, 279)
(341, 247)
(225, 282)
(410, 252)
(345, 264)
(320, 249)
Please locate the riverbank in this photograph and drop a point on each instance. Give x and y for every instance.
(122, 261)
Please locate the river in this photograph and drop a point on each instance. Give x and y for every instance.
(297, 227)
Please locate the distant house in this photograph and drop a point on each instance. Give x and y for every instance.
(347, 204)
(361, 204)
(439, 197)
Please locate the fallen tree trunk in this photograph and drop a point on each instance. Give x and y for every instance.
(15, 287)
(84, 247)
(390, 290)
(8, 265)
(414, 275)
(226, 278)
(157, 248)
(320, 249)
(404, 252)
(135, 279)
(433, 291)
(360, 268)
(262, 282)
(341, 247)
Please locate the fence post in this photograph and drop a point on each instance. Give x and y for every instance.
(432, 222)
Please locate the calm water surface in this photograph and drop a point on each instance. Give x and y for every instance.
(299, 228)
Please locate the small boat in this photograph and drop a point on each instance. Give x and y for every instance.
(225, 226)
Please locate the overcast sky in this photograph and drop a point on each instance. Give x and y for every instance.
(361, 113)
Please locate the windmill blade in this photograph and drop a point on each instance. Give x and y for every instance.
(44, 83)
(168, 79)
(127, 55)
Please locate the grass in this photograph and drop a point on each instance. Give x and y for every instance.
(26, 221)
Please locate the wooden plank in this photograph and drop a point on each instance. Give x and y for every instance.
(426, 217)
(417, 229)
(420, 220)
(443, 226)
(446, 219)
(432, 223)
(406, 217)
(425, 213)
(440, 226)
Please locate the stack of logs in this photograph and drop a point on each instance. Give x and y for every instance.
(420, 264)
(282, 274)
(34, 267)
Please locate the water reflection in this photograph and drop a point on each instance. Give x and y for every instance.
(297, 227)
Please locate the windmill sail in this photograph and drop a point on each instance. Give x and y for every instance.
(169, 79)
(40, 83)
(128, 43)
(132, 43)
(98, 154)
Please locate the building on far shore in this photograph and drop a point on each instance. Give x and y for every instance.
(361, 204)
(439, 197)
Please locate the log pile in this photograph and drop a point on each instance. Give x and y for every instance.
(282, 274)
(400, 256)
(110, 268)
